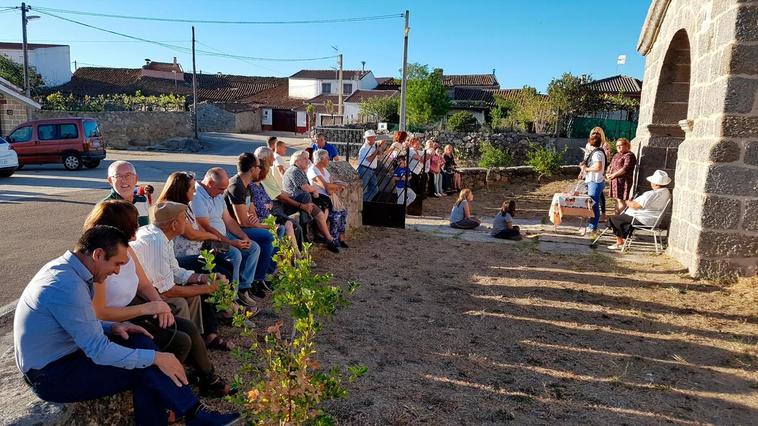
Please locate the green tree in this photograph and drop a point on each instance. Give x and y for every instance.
(462, 121)
(14, 73)
(381, 109)
(427, 99)
(571, 96)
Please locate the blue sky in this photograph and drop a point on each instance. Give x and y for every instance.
(527, 42)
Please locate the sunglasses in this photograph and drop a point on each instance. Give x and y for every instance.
(189, 175)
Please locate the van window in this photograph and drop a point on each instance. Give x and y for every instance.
(90, 129)
(46, 132)
(22, 134)
(68, 131)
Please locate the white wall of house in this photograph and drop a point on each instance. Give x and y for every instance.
(52, 63)
(351, 111)
(303, 89)
(368, 82)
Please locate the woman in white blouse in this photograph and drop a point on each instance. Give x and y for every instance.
(129, 295)
(319, 176)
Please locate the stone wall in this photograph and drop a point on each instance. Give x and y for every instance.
(699, 121)
(17, 116)
(124, 129)
(215, 118)
(478, 177)
(352, 196)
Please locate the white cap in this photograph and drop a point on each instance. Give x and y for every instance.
(369, 133)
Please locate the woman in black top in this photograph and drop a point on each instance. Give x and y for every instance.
(451, 176)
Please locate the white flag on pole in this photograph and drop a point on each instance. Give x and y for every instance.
(621, 60)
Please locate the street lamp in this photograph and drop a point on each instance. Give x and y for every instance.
(25, 20)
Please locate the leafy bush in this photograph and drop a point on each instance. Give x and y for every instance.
(492, 156)
(118, 102)
(545, 160)
(462, 121)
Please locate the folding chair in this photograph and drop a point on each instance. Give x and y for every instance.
(654, 229)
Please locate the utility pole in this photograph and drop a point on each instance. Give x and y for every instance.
(24, 9)
(194, 86)
(404, 84)
(342, 89)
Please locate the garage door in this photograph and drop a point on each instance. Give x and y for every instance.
(284, 120)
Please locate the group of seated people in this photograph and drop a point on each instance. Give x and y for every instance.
(127, 307)
(461, 217)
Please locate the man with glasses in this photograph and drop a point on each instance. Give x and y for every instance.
(122, 176)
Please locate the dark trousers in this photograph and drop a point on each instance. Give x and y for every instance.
(193, 263)
(621, 225)
(507, 234)
(75, 378)
(184, 341)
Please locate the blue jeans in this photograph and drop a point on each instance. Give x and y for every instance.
(595, 191)
(244, 261)
(265, 241)
(75, 378)
(369, 182)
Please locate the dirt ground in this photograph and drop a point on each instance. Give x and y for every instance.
(459, 332)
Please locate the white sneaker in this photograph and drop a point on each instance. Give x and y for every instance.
(583, 231)
(614, 247)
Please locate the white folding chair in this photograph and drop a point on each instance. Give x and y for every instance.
(655, 230)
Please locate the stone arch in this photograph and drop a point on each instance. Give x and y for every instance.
(669, 122)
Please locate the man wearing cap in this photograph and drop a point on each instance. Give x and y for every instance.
(66, 355)
(367, 163)
(645, 209)
(155, 252)
(122, 176)
(321, 143)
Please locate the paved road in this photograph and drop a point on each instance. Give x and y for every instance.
(42, 207)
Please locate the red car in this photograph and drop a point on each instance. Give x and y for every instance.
(75, 142)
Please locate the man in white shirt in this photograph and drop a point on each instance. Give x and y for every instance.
(644, 209)
(156, 254)
(280, 159)
(367, 163)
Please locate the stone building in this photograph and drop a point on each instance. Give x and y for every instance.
(14, 107)
(699, 122)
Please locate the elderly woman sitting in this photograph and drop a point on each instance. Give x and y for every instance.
(295, 183)
(329, 189)
(645, 209)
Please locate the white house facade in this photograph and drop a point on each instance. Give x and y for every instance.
(51, 61)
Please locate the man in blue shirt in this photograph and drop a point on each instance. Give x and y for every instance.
(63, 352)
(321, 143)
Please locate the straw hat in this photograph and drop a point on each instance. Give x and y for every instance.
(659, 178)
(369, 133)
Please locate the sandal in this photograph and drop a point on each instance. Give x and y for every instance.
(219, 344)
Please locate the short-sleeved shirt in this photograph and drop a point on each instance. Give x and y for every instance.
(186, 247)
(652, 204)
(280, 160)
(314, 172)
(365, 152)
(237, 193)
(260, 200)
(293, 180)
(139, 201)
(331, 149)
(500, 223)
(400, 172)
(597, 156)
(203, 205)
(272, 186)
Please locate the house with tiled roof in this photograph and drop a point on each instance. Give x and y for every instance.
(14, 106)
(629, 87)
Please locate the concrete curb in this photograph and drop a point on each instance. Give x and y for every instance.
(8, 309)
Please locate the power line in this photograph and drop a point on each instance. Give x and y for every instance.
(238, 59)
(182, 49)
(204, 21)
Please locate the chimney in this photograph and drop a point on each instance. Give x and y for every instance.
(147, 61)
(175, 64)
(493, 71)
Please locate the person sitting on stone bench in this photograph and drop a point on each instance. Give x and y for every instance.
(645, 209)
(65, 355)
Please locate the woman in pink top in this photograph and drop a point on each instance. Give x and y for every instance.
(435, 169)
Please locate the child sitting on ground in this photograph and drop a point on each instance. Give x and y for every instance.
(399, 176)
(502, 225)
(460, 215)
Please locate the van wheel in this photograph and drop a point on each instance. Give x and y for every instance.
(92, 164)
(72, 161)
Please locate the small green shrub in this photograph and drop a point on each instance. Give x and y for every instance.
(492, 156)
(545, 160)
(462, 121)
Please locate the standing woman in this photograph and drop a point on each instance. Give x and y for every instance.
(450, 170)
(593, 169)
(621, 174)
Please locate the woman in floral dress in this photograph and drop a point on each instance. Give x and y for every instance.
(621, 174)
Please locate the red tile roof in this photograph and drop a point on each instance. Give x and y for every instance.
(388, 83)
(95, 81)
(329, 74)
(360, 95)
(475, 80)
(163, 66)
(320, 103)
(618, 83)
(276, 97)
